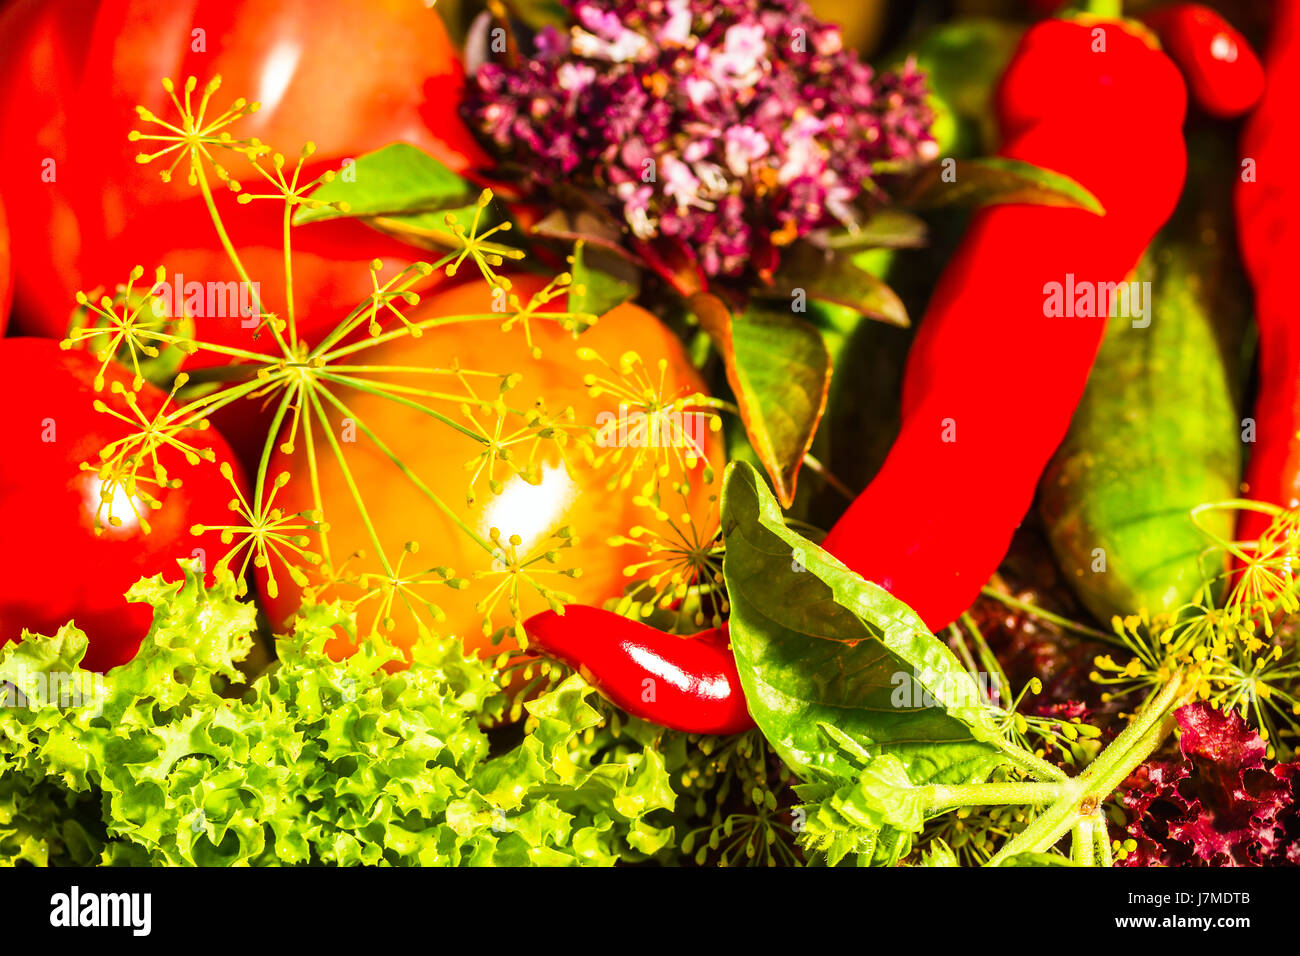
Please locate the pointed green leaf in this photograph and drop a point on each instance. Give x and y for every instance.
(831, 277)
(395, 180)
(780, 371)
(888, 228)
(601, 280)
(817, 644)
(996, 179)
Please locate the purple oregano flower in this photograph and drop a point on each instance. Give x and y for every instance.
(731, 126)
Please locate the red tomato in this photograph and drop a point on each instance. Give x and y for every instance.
(350, 75)
(572, 494)
(53, 566)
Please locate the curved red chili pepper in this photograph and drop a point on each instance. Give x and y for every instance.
(684, 683)
(993, 377)
(1223, 72)
(1268, 231)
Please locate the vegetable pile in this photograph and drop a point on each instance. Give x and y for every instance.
(500, 435)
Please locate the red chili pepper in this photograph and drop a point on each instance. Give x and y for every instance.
(6, 274)
(1268, 230)
(992, 380)
(1223, 73)
(684, 683)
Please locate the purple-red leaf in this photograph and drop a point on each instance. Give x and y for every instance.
(1218, 805)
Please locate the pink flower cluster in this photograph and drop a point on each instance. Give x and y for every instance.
(731, 126)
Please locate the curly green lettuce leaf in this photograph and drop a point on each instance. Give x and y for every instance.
(164, 761)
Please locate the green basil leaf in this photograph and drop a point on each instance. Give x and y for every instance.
(829, 277)
(780, 371)
(395, 180)
(816, 644)
(430, 230)
(993, 180)
(888, 228)
(601, 280)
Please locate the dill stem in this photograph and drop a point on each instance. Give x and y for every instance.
(828, 476)
(229, 248)
(288, 269)
(272, 435)
(402, 466)
(353, 490)
(1083, 842)
(1082, 795)
(1017, 793)
(1062, 622)
(1101, 837)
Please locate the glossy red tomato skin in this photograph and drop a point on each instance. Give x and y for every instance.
(350, 75)
(53, 566)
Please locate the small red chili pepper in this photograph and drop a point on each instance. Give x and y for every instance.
(683, 683)
(993, 376)
(1268, 232)
(1223, 73)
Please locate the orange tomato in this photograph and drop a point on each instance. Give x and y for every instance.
(573, 494)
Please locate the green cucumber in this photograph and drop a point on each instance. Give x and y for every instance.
(1156, 434)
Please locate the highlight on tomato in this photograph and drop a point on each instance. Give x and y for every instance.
(475, 558)
(348, 75)
(77, 534)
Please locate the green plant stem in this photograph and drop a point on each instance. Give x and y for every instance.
(1101, 836)
(361, 385)
(1063, 623)
(1082, 843)
(955, 634)
(326, 353)
(227, 373)
(1032, 763)
(384, 449)
(988, 659)
(268, 447)
(940, 797)
(353, 490)
(288, 270)
(829, 477)
(229, 248)
(1082, 795)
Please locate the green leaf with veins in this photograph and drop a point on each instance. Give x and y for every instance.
(780, 371)
(395, 180)
(823, 646)
(887, 228)
(835, 277)
(995, 180)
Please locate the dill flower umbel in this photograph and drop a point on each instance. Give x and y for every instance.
(729, 129)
